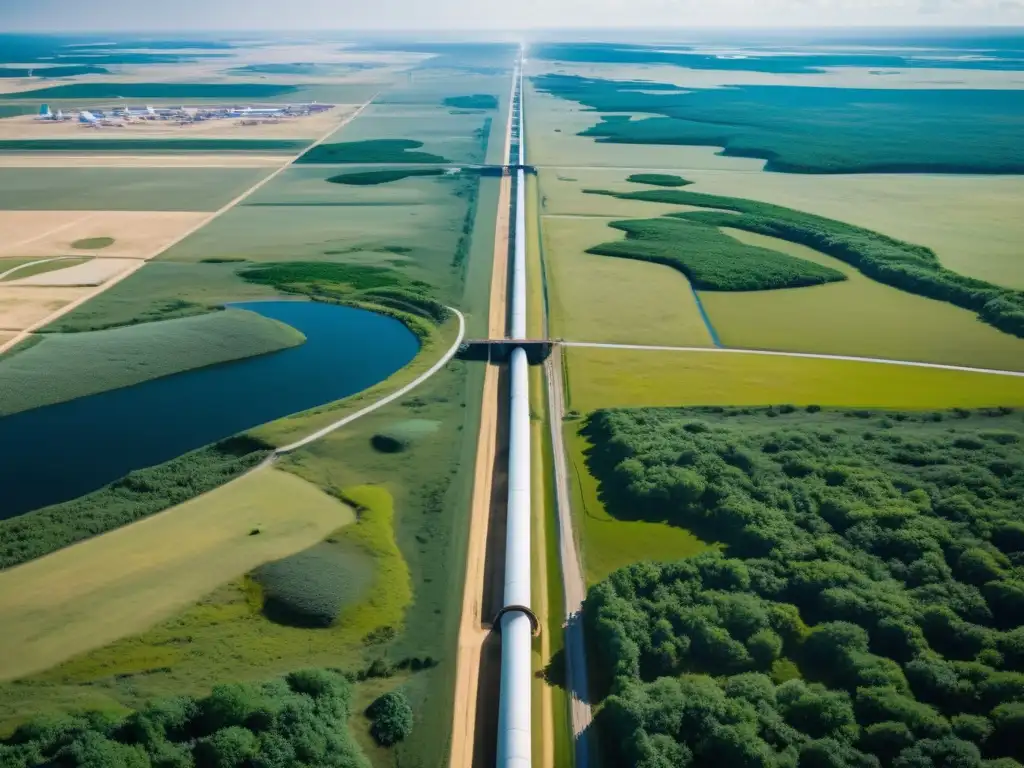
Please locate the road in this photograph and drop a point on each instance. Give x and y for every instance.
(53, 316)
(471, 630)
(574, 587)
(775, 353)
(448, 355)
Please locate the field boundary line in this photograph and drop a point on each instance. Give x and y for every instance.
(47, 233)
(445, 358)
(57, 314)
(777, 353)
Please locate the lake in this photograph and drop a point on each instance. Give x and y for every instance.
(62, 451)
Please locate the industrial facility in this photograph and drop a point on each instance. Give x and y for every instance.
(123, 116)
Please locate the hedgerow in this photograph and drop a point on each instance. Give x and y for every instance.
(712, 260)
(912, 268)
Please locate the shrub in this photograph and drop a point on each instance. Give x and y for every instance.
(391, 718)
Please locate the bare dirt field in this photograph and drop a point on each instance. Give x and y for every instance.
(23, 306)
(27, 127)
(122, 582)
(92, 272)
(136, 234)
(60, 160)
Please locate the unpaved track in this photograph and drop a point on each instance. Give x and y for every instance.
(471, 630)
(25, 333)
(575, 588)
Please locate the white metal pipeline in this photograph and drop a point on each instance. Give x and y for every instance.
(515, 748)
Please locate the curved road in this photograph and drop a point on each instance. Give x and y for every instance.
(384, 400)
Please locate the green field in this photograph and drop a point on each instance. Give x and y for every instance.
(454, 138)
(65, 366)
(155, 146)
(856, 317)
(161, 290)
(123, 189)
(37, 268)
(599, 298)
(253, 91)
(606, 378)
(93, 243)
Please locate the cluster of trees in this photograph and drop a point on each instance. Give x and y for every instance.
(911, 268)
(137, 495)
(290, 723)
(711, 259)
(475, 101)
(373, 178)
(379, 289)
(659, 179)
(371, 151)
(391, 718)
(867, 608)
(813, 130)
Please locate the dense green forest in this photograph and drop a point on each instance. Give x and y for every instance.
(711, 259)
(865, 608)
(813, 130)
(659, 179)
(301, 720)
(912, 268)
(137, 495)
(155, 90)
(370, 151)
(791, 63)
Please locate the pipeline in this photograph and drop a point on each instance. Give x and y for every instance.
(514, 735)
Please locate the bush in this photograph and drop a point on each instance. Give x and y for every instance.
(391, 718)
(302, 719)
(476, 101)
(659, 179)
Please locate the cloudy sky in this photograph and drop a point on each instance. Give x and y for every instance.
(95, 15)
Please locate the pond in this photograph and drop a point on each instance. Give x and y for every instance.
(62, 451)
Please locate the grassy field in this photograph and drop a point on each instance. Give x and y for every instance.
(123, 582)
(65, 366)
(149, 146)
(461, 137)
(601, 298)
(563, 193)
(38, 268)
(969, 221)
(123, 189)
(159, 291)
(855, 317)
(603, 378)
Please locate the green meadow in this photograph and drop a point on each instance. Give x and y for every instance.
(123, 189)
(65, 366)
(855, 317)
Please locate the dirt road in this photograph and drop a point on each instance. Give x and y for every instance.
(471, 630)
(575, 588)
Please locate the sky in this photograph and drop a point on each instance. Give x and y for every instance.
(181, 15)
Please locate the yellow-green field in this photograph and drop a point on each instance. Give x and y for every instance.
(601, 298)
(125, 581)
(562, 192)
(856, 317)
(608, 378)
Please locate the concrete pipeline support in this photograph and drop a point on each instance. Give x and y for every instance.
(514, 731)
